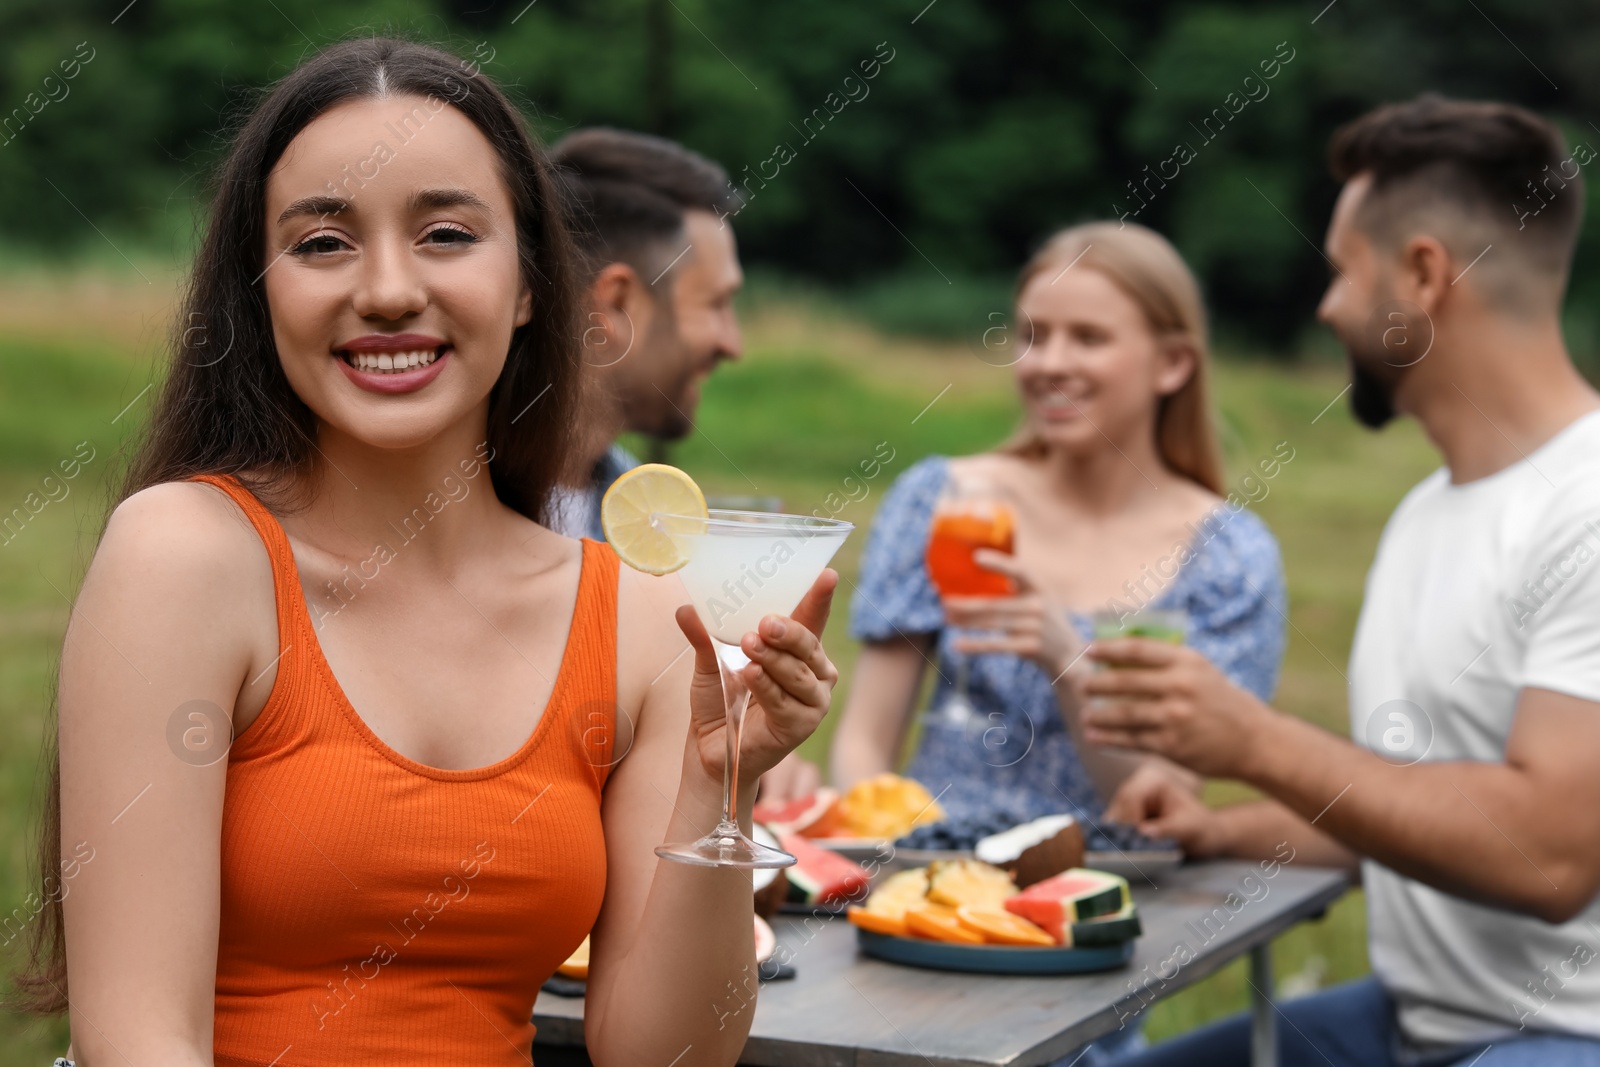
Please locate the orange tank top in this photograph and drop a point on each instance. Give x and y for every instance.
(378, 912)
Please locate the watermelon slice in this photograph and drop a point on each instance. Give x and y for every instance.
(770, 887)
(766, 941)
(795, 816)
(821, 876)
(1070, 897)
(1111, 929)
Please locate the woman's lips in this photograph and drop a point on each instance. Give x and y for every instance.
(379, 380)
(1055, 406)
(391, 342)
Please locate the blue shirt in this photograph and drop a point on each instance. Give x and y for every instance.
(1017, 759)
(614, 464)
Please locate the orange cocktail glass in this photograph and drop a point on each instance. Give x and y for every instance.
(956, 534)
(963, 522)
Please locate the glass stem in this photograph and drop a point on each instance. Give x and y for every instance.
(736, 697)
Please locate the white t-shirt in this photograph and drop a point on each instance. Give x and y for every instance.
(1478, 591)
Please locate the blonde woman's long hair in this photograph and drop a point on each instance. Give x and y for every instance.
(1144, 265)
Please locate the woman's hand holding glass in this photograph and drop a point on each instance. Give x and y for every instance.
(1026, 624)
(791, 682)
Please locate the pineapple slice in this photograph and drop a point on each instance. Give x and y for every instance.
(958, 882)
(899, 891)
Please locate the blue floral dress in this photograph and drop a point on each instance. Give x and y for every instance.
(1017, 759)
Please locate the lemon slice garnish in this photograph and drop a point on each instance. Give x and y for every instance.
(627, 508)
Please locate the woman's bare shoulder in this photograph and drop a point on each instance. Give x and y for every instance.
(647, 631)
(1195, 500)
(180, 586)
(180, 520)
(185, 539)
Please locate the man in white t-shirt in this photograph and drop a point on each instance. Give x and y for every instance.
(1470, 798)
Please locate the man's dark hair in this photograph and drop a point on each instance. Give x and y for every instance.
(1471, 174)
(628, 194)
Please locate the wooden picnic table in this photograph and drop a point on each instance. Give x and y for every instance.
(844, 1009)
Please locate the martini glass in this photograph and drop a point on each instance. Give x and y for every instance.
(743, 566)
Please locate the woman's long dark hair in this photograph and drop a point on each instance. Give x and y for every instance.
(226, 406)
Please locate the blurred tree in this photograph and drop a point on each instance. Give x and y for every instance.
(982, 125)
(658, 67)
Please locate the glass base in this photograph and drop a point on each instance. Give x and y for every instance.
(955, 714)
(726, 846)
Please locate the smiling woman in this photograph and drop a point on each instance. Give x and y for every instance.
(240, 904)
(1114, 463)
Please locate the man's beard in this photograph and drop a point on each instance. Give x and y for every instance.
(674, 419)
(1371, 398)
(1377, 363)
(662, 407)
(675, 423)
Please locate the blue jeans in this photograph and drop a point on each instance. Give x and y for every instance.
(1107, 1051)
(1353, 1025)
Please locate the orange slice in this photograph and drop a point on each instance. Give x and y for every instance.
(938, 923)
(877, 922)
(998, 926)
(577, 965)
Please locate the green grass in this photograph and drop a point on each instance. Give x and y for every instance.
(53, 395)
(812, 400)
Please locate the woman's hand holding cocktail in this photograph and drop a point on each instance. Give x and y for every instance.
(1170, 700)
(1026, 624)
(791, 682)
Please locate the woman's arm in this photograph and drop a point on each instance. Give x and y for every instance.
(157, 639)
(883, 693)
(670, 937)
(672, 975)
(895, 614)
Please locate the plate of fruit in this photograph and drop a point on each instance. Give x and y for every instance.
(861, 822)
(967, 915)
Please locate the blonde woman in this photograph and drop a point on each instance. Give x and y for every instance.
(1116, 485)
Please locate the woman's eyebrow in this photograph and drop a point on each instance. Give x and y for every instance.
(422, 200)
(437, 198)
(320, 206)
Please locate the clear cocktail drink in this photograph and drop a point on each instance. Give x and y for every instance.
(1160, 624)
(743, 566)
